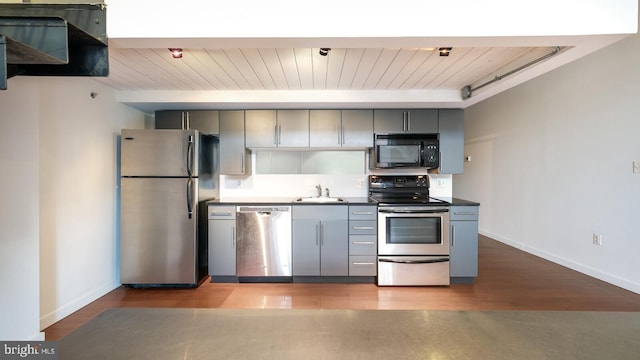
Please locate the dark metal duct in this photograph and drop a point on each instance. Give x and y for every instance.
(52, 40)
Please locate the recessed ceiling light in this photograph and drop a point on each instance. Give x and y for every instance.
(176, 53)
(445, 51)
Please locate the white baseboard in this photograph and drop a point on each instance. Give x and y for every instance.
(587, 270)
(67, 309)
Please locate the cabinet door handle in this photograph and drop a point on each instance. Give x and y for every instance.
(361, 213)
(216, 213)
(362, 242)
(362, 228)
(317, 234)
(464, 213)
(275, 135)
(362, 263)
(233, 237)
(321, 236)
(453, 235)
(408, 121)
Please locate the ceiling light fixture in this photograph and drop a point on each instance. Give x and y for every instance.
(324, 51)
(176, 53)
(445, 51)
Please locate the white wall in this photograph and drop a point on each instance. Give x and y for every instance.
(19, 260)
(552, 164)
(58, 185)
(78, 180)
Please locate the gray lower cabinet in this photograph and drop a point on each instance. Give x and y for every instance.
(418, 121)
(362, 240)
(320, 240)
(222, 240)
(234, 157)
(205, 121)
(451, 129)
(464, 243)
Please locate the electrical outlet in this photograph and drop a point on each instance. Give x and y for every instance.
(359, 183)
(636, 167)
(597, 239)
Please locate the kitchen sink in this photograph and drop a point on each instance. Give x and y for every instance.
(320, 199)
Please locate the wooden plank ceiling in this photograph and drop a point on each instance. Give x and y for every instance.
(305, 69)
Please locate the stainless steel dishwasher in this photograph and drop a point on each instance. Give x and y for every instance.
(263, 241)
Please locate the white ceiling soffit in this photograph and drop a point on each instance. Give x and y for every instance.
(256, 54)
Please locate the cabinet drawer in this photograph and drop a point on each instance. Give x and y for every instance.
(221, 212)
(362, 227)
(464, 213)
(362, 245)
(362, 266)
(362, 212)
(320, 212)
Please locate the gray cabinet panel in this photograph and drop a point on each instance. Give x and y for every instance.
(405, 121)
(205, 121)
(451, 125)
(357, 128)
(277, 128)
(261, 128)
(362, 265)
(306, 248)
(464, 244)
(293, 128)
(234, 157)
(222, 247)
(334, 248)
(320, 240)
(341, 128)
(324, 128)
(362, 244)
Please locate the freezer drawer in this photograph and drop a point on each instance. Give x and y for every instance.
(413, 270)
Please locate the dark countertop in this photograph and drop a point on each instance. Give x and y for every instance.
(457, 202)
(288, 201)
(347, 201)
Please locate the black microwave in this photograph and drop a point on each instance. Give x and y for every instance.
(391, 151)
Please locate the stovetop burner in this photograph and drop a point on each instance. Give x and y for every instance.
(404, 189)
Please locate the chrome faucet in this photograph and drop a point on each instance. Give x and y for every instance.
(319, 189)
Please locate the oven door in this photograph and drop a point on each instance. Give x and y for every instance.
(413, 231)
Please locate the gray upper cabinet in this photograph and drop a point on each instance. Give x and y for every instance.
(341, 128)
(451, 141)
(420, 121)
(205, 121)
(234, 157)
(277, 128)
(357, 128)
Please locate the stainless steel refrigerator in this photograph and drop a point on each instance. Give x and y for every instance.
(166, 178)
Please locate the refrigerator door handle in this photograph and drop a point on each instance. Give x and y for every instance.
(190, 156)
(190, 198)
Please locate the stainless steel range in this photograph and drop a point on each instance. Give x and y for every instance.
(413, 232)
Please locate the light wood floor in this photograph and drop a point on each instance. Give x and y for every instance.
(509, 279)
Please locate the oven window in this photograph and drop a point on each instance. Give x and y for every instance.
(399, 154)
(414, 230)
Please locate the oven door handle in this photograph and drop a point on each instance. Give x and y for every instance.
(439, 211)
(429, 261)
